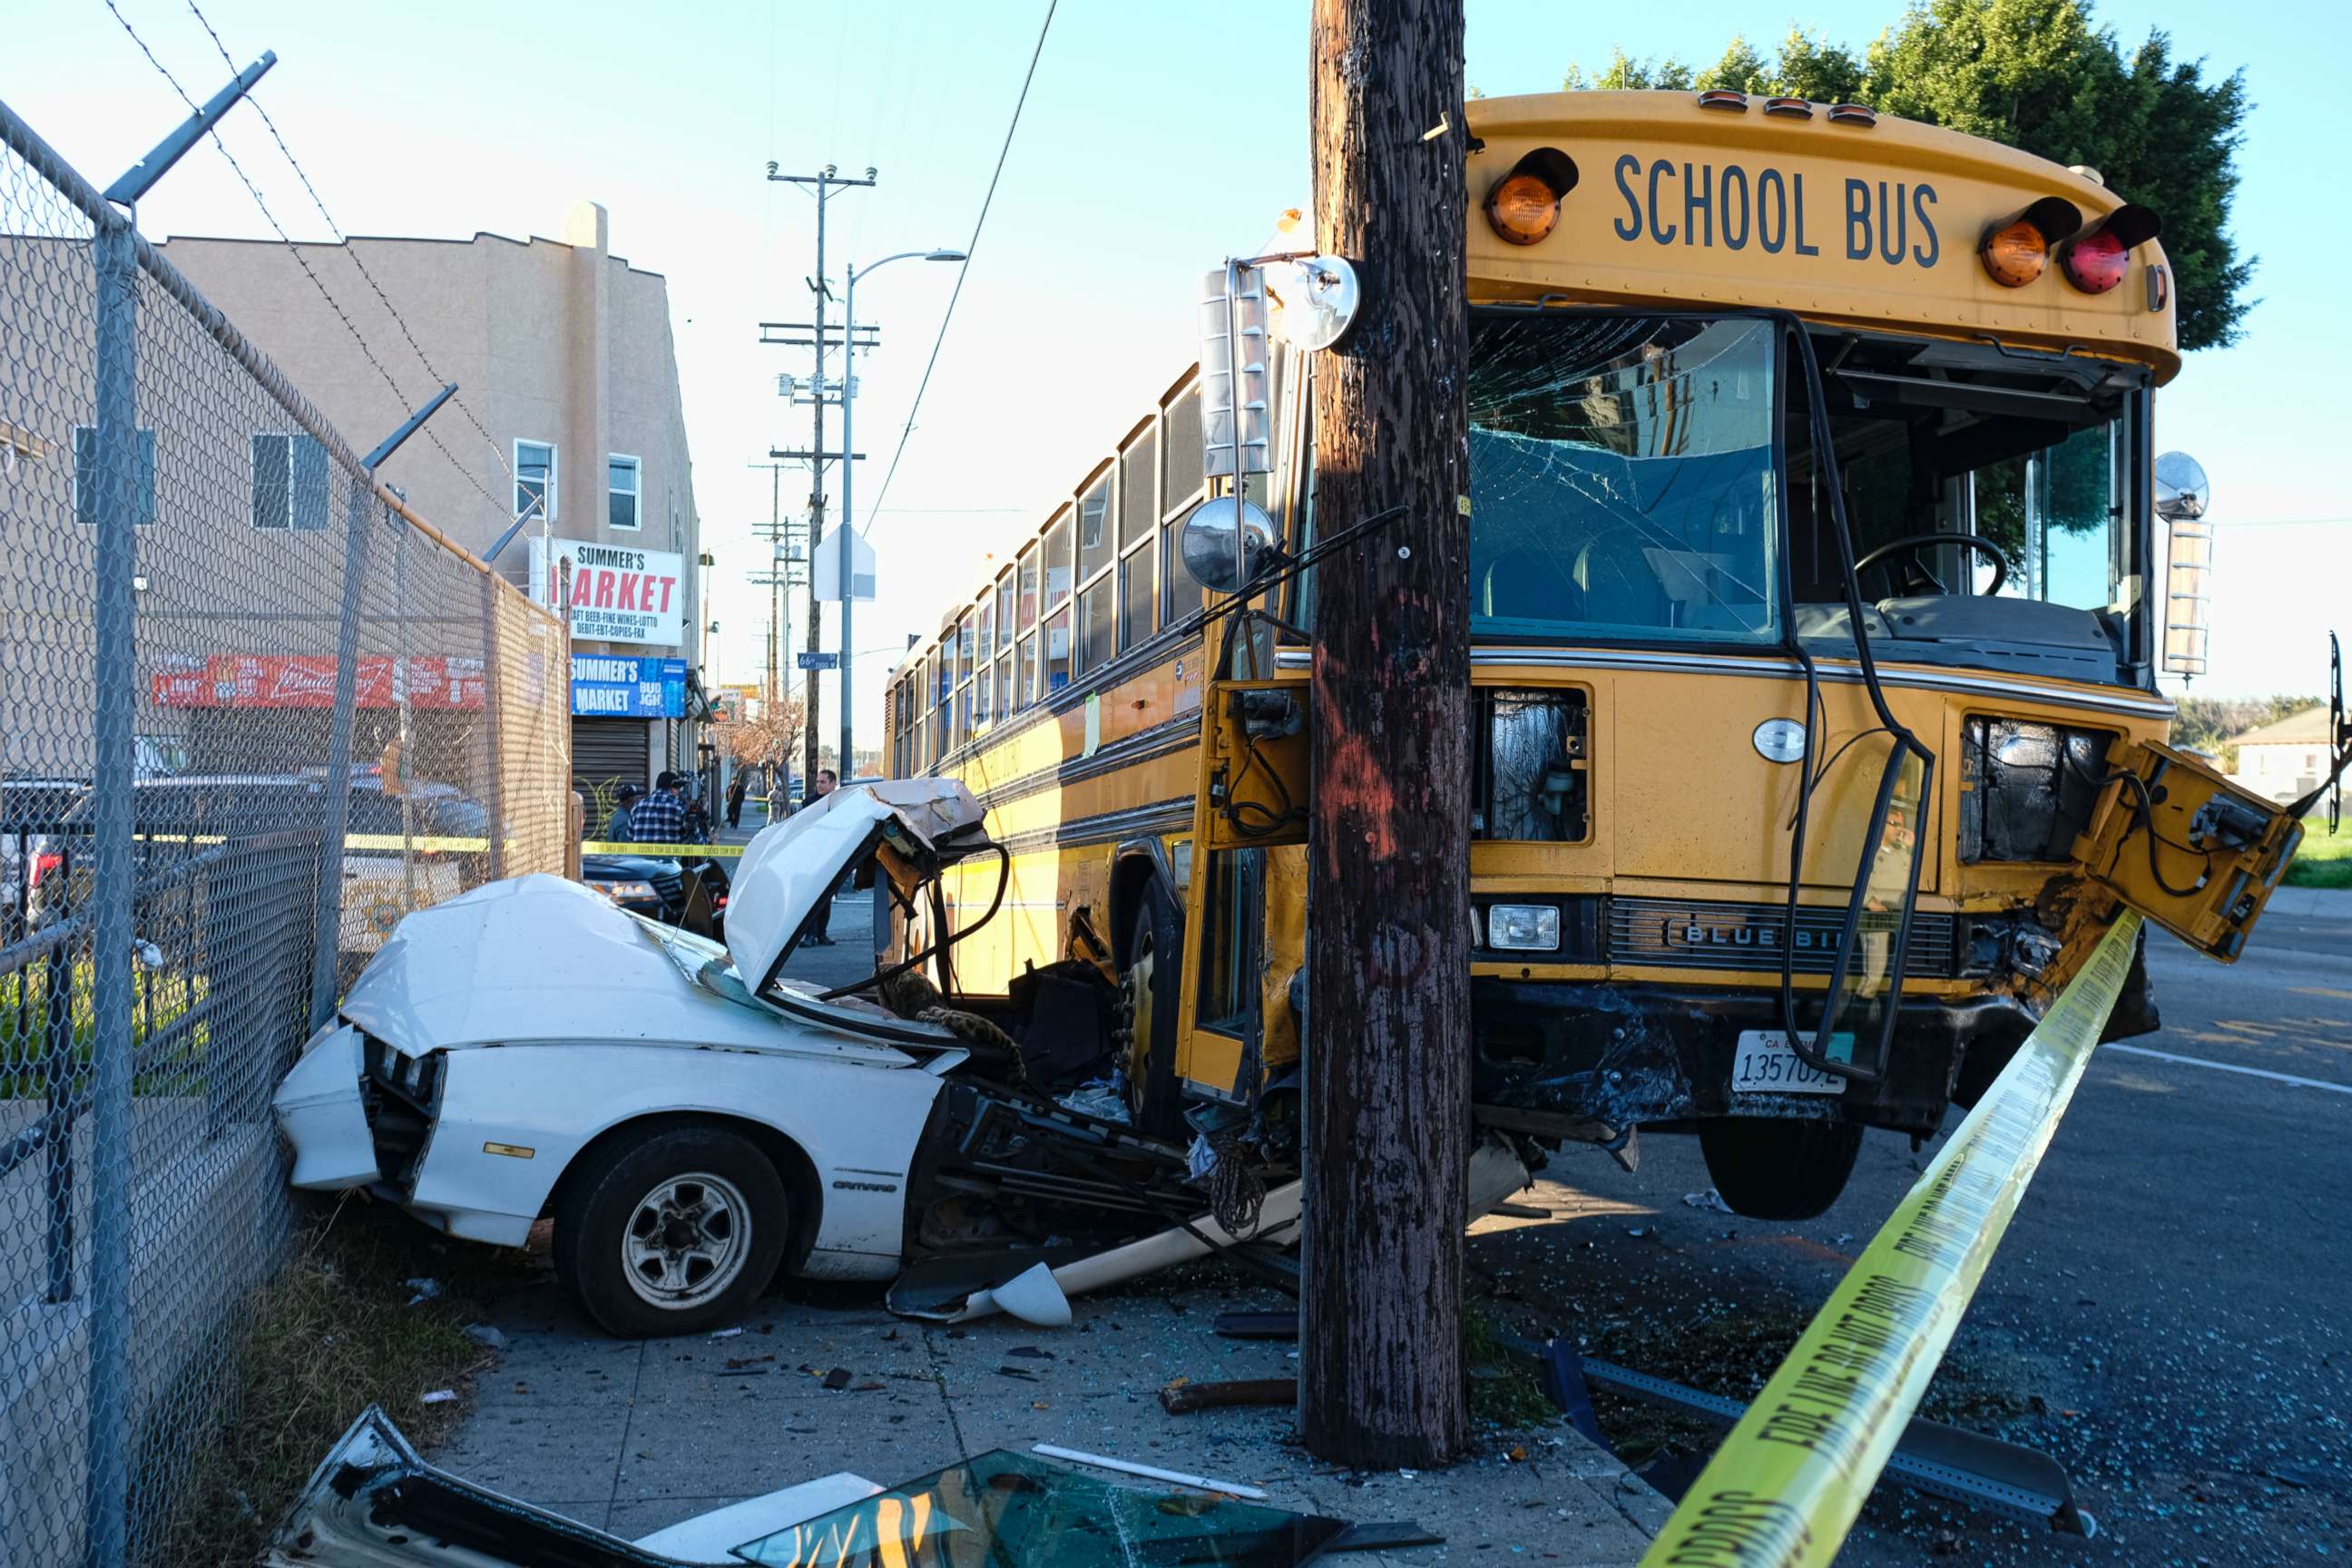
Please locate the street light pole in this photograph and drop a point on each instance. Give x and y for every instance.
(848, 584)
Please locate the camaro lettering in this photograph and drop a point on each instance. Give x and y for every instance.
(1712, 206)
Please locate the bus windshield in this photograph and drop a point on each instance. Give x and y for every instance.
(1622, 478)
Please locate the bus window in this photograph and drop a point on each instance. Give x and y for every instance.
(984, 640)
(1096, 623)
(1179, 485)
(1025, 680)
(1057, 652)
(1029, 589)
(2012, 449)
(1095, 546)
(2054, 515)
(1134, 596)
(1230, 941)
(1004, 608)
(1004, 683)
(1622, 478)
(1139, 507)
(1057, 561)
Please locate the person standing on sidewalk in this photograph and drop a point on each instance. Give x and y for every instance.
(620, 827)
(735, 801)
(660, 817)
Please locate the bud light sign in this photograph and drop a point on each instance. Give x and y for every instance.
(606, 687)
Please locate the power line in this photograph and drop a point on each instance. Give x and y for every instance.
(344, 240)
(971, 249)
(299, 261)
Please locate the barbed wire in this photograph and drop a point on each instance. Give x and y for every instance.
(344, 239)
(295, 250)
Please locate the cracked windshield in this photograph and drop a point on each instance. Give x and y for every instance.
(1621, 470)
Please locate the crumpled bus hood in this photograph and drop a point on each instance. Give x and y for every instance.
(791, 865)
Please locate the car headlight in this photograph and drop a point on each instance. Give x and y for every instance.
(621, 892)
(1523, 927)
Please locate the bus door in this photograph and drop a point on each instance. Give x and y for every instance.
(1235, 1025)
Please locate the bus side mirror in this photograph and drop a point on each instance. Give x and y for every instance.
(1206, 543)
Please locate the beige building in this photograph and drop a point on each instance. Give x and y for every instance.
(563, 354)
(2286, 759)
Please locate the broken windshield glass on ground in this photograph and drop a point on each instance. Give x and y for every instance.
(374, 1500)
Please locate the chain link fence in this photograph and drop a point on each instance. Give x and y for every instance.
(252, 711)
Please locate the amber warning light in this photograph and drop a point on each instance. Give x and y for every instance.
(2016, 249)
(1523, 205)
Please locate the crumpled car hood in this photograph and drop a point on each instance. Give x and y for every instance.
(791, 865)
(536, 958)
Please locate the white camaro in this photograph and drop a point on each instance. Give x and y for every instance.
(693, 1122)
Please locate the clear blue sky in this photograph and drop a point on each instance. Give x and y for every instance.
(1159, 136)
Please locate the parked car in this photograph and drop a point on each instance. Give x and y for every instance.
(403, 850)
(695, 1121)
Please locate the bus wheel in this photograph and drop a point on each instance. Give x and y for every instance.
(1146, 1018)
(1767, 1168)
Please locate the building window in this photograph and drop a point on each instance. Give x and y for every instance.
(85, 439)
(289, 484)
(625, 486)
(534, 471)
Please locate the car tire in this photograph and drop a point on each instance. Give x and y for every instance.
(671, 1230)
(1147, 1016)
(1768, 1168)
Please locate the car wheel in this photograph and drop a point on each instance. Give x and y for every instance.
(671, 1231)
(1767, 1168)
(1146, 1018)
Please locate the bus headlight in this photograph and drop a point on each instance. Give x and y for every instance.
(1523, 927)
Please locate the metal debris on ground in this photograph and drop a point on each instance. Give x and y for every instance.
(1182, 1399)
(484, 1335)
(1149, 1472)
(1709, 1200)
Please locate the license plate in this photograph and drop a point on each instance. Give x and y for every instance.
(1765, 1064)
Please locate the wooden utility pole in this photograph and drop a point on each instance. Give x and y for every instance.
(1388, 959)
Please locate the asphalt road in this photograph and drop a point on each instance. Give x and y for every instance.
(2167, 1316)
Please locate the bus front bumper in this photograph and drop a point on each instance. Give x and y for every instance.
(1613, 1056)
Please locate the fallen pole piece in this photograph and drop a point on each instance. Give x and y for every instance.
(1149, 1472)
(1183, 1398)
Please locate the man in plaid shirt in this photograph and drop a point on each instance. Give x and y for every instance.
(660, 818)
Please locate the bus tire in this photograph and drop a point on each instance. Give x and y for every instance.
(1147, 1016)
(1768, 1168)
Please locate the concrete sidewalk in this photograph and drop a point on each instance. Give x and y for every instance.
(633, 1436)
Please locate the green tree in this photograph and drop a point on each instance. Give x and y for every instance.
(2040, 75)
(1625, 73)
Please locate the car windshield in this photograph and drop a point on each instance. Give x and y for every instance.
(1622, 478)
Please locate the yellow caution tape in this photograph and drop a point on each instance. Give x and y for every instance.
(667, 851)
(1786, 1485)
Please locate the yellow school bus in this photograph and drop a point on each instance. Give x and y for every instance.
(1814, 596)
